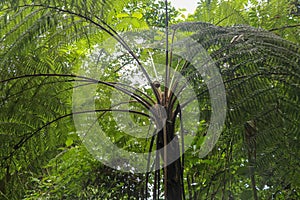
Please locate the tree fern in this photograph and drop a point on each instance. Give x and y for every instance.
(44, 43)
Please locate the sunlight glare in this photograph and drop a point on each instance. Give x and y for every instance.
(189, 5)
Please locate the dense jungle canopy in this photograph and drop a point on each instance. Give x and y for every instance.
(53, 52)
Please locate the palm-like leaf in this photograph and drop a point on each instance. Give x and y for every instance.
(261, 74)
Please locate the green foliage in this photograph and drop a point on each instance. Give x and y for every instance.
(44, 37)
(151, 13)
(262, 84)
(75, 174)
(274, 15)
(42, 45)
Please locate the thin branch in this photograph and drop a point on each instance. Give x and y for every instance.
(110, 84)
(148, 164)
(164, 100)
(232, 13)
(284, 27)
(182, 151)
(167, 67)
(44, 84)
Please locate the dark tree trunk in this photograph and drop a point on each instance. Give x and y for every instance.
(173, 171)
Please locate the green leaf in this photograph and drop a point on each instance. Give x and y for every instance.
(122, 15)
(137, 15)
(69, 142)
